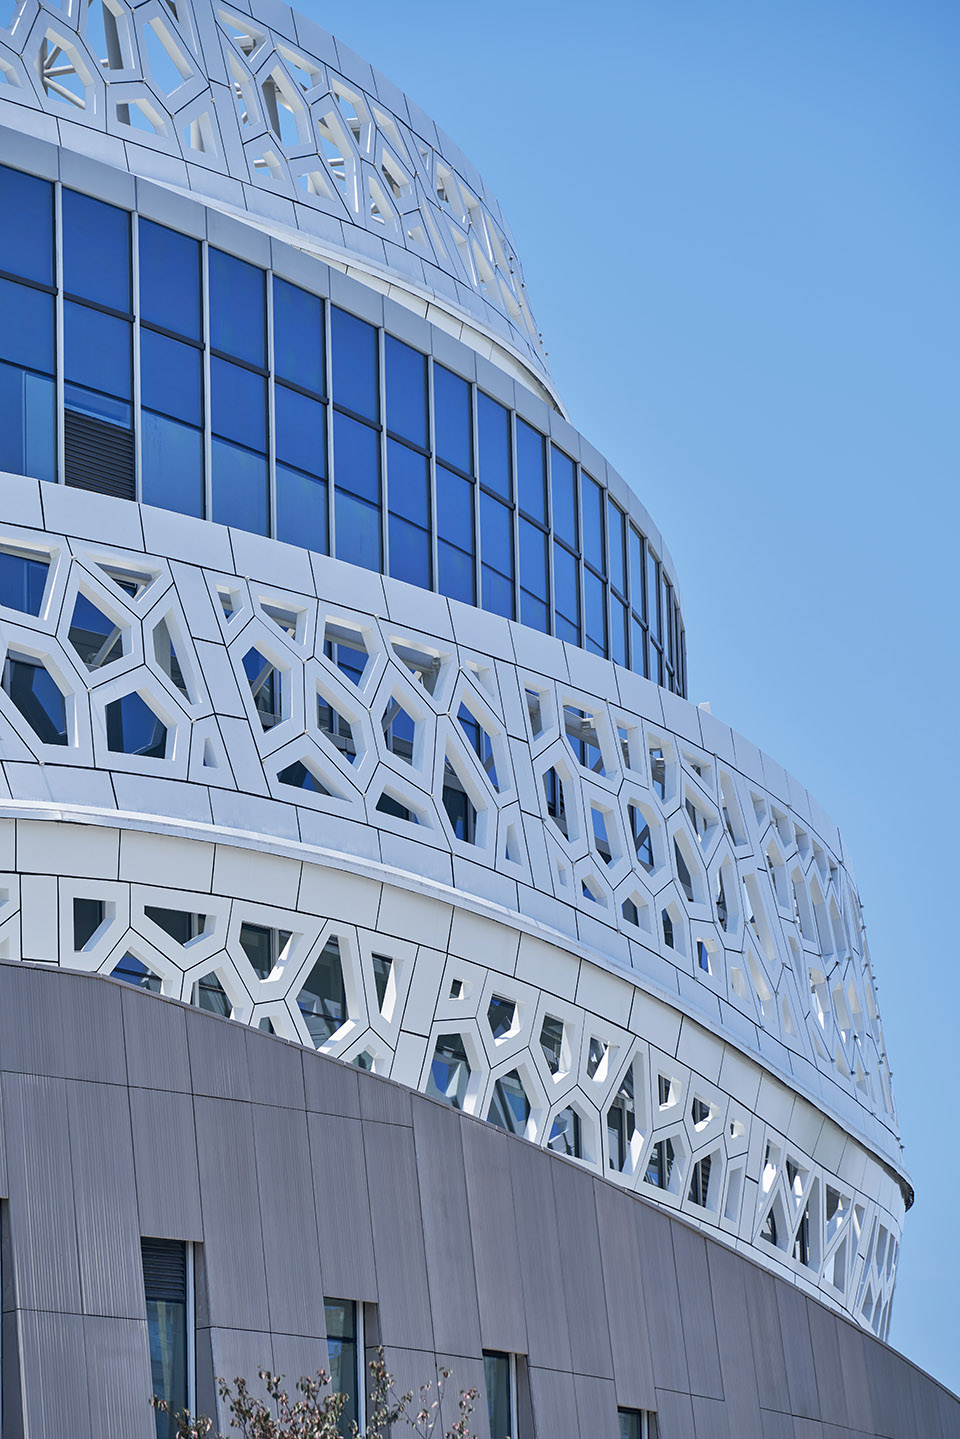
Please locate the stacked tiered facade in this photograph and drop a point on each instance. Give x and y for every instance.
(343, 696)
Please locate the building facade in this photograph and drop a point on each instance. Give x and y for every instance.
(343, 697)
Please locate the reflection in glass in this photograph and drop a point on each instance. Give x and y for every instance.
(509, 1107)
(23, 579)
(37, 696)
(449, 1071)
(133, 728)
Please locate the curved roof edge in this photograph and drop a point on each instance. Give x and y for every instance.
(269, 114)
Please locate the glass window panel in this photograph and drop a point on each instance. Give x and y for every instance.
(169, 279)
(454, 508)
(302, 510)
(563, 476)
(170, 377)
(102, 407)
(567, 630)
(594, 601)
(409, 553)
(455, 577)
(618, 631)
(496, 534)
(495, 462)
(531, 472)
(23, 579)
(239, 488)
(406, 391)
(356, 371)
(97, 350)
(26, 327)
(96, 251)
(358, 531)
(496, 1373)
(592, 501)
(533, 558)
(533, 612)
(653, 595)
(617, 563)
(452, 424)
(638, 647)
(239, 404)
(408, 480)
(636, 574)
(341, 1326)
(668, 615)
(300, 431)
(357, 459)
(497, 593)
(171, 462)
(237, 308)
(28, 426)
(566, 584)
(655, 671)
(298, 340)
(26, 248)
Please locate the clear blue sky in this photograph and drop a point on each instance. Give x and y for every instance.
(740, 229)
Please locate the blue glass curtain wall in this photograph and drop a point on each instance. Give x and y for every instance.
(201, 383)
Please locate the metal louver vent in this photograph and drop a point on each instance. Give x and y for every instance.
(98, 456)
(164, 1269)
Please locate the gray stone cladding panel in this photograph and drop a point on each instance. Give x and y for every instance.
(359, 1203)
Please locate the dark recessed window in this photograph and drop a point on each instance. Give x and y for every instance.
(166, 1290)
(498, 1377)
(344, 1348)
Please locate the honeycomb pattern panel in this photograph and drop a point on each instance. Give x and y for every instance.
(210, 695)
(509, 1028)
(266, 112)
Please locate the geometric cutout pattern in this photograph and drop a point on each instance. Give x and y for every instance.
(581, 817)
(208, 97)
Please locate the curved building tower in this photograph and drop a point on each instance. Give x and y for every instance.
(390, 952)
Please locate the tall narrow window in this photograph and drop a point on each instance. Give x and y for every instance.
(496, 513)
(98, 346)
(27, 403)
(171, 365)
(408, 464)
(356, 440)
(238, 382)
(456, 537)
(167, 1288)
(300, 413)
(498, 1372)
(344, 1348)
